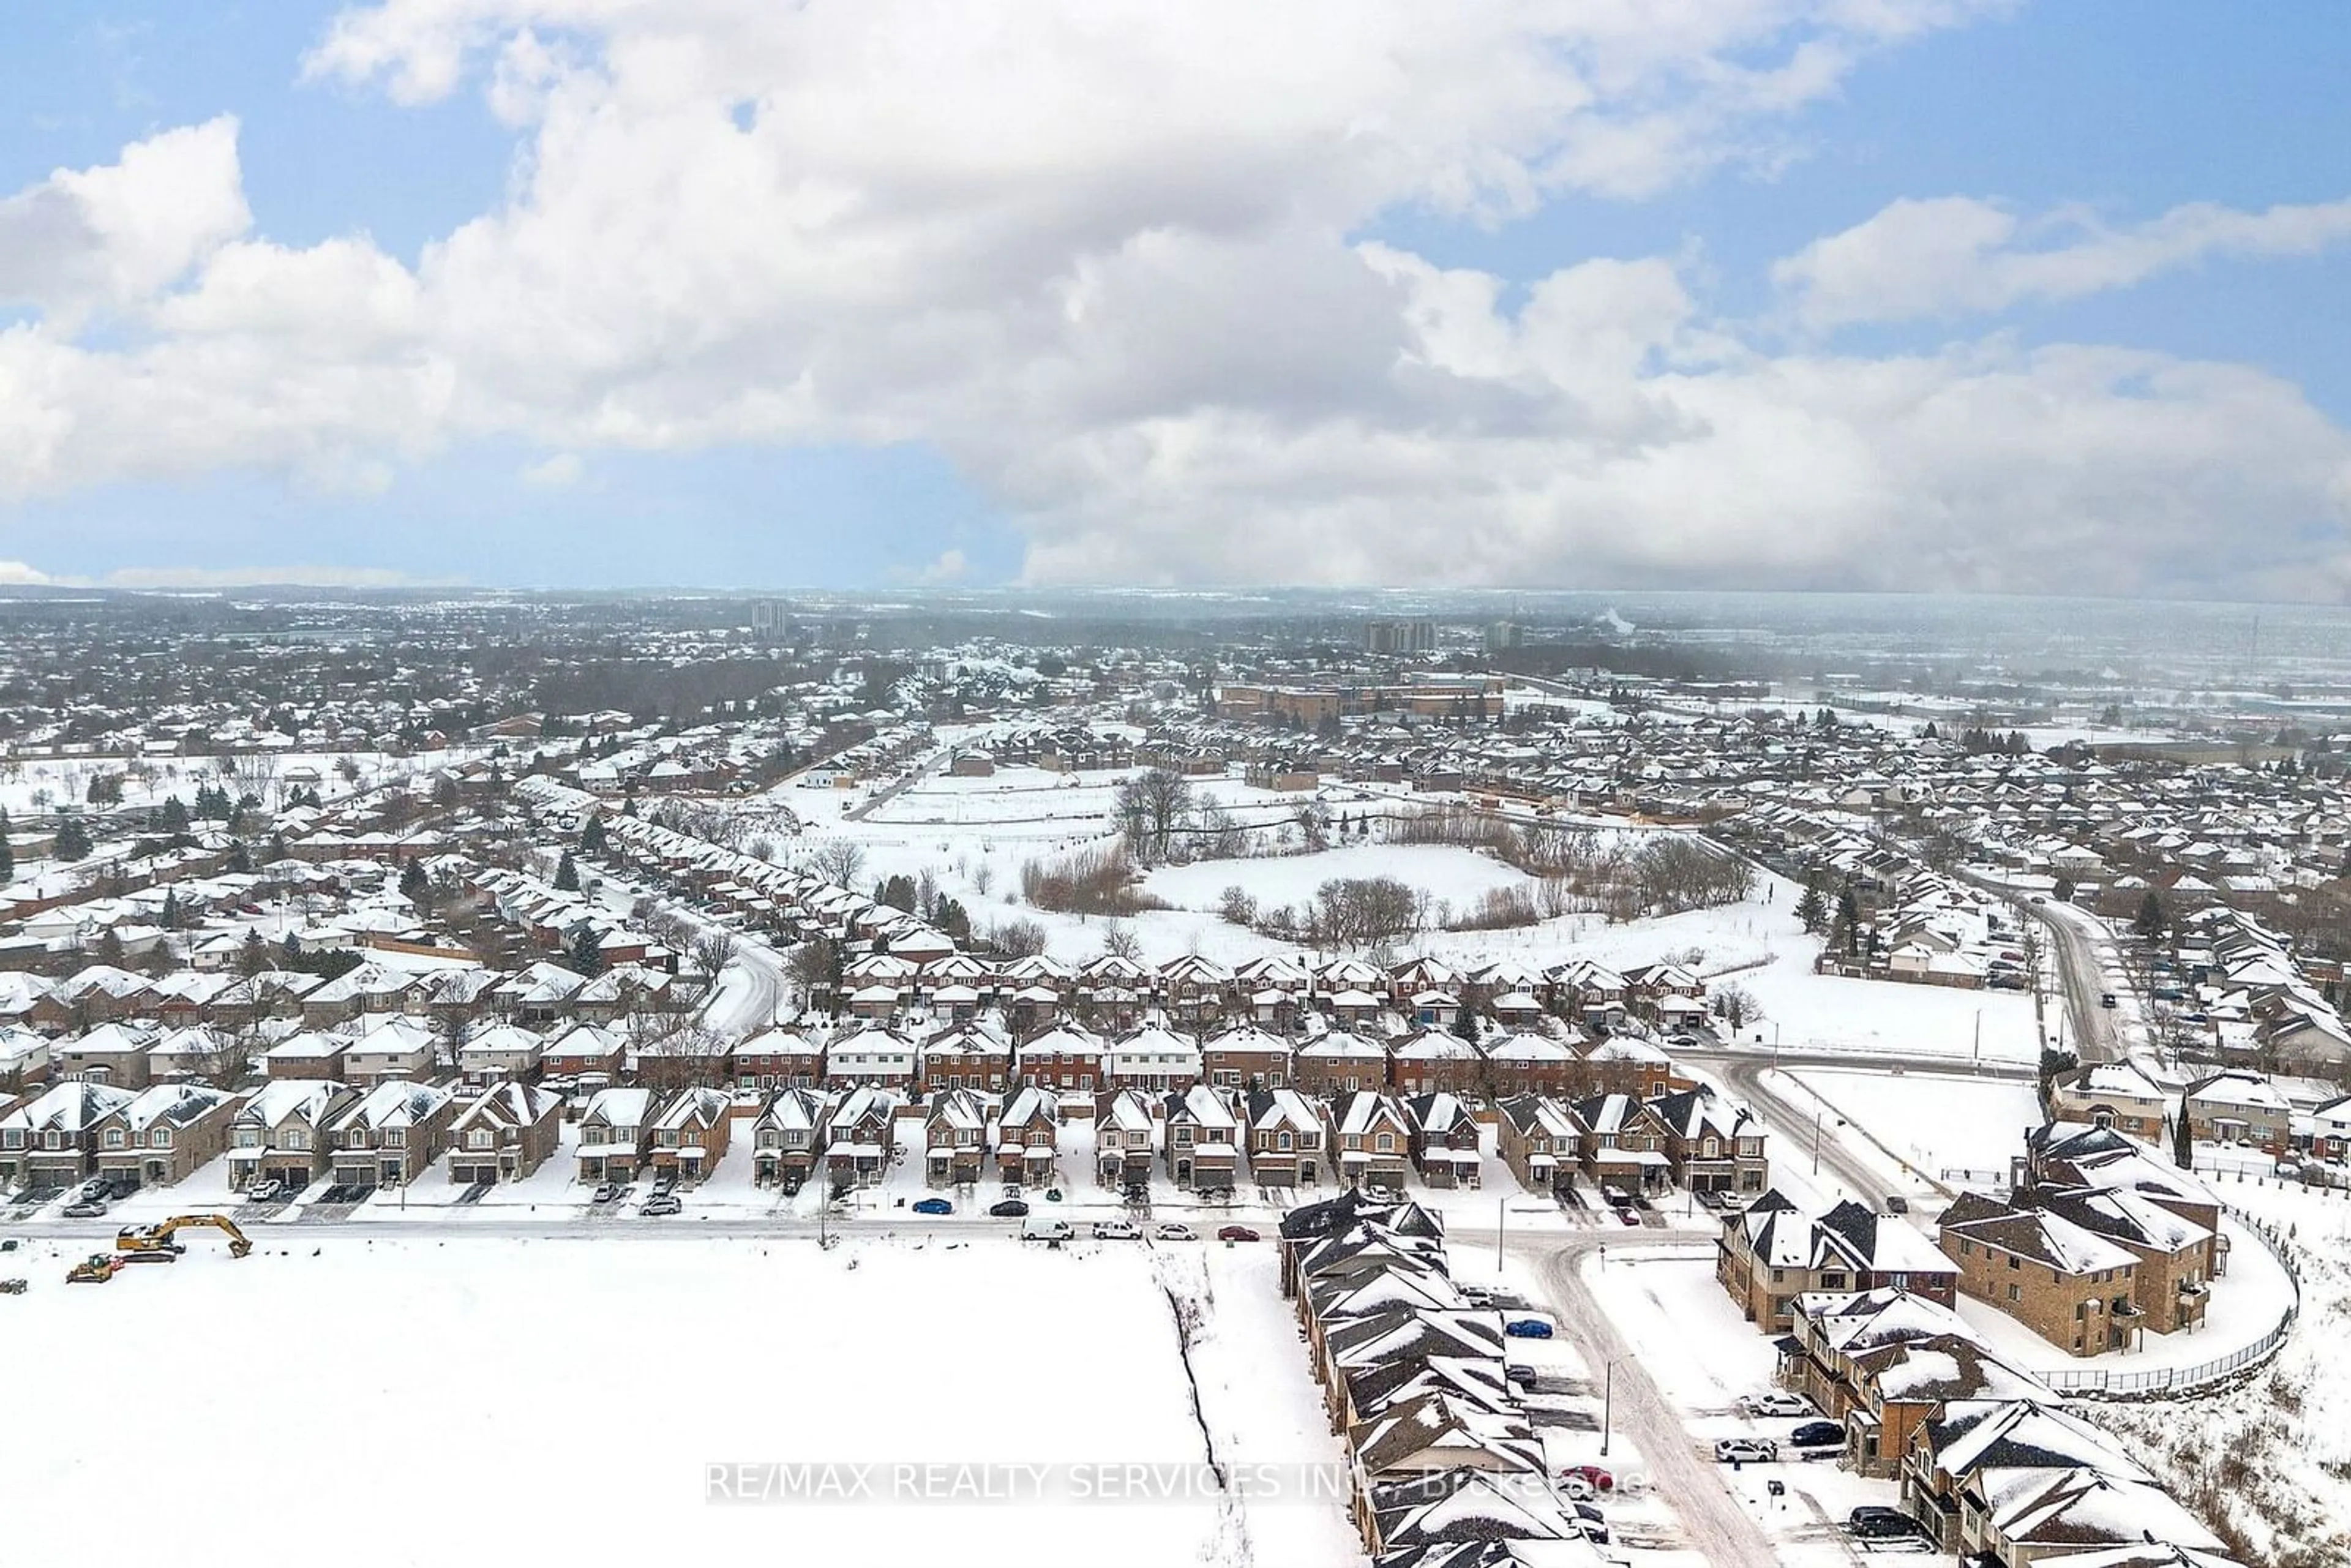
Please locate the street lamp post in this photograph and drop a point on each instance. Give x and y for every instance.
(1607, 1404)
(1502, 1219)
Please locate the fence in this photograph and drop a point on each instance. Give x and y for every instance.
(2155, 1382)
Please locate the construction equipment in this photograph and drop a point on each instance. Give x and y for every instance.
(158, 1237)
(12, 1287)
(95, 1270)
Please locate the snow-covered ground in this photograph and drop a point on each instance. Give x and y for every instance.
(1703, 1356)
(1946, 1127)
(1456, 877)
(2270, 1459)
(593, 1389)
(30, 787)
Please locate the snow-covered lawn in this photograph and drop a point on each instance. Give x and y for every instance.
(1946, 1127)
(412, 1398)
(1456, 877)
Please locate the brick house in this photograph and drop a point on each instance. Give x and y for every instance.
(1775, 1252)
(390, 1134)
(1880, 1364)
(787, 1135)
(159, 1138)
(1245, 1055)
(615, 1131)
(1203, 1138)
(2073, 1288)
(860, 1135)
(1713, 1146)
(281, 1133)
(1065, 1058)
(1526, 1062)
(1623, 1143)
(954, 1136)
(2117, 1094)
(1370, 1137)
(1126, 1136)
(1444, 1141)
(966, 1056)
(582, 1049)
(776, 1058)
(1540, 1139)
(506, 1133)
(1026, 1136)
(1285, 1139)
(690, 1132)
(115, 1053)
(1430, 1060)
(48, 1142)
(1339, 1062)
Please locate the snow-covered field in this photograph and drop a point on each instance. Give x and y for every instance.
(1456, 877)
(27, 787)
(416, 1401)
(1945, 1126)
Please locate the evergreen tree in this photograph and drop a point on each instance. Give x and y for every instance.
(2183, 1141)
(73, 840)
(252, 954)
(7, 854)
(413, 886)
(240, 860)
(1849, 918)
(567, 876)
(173, 817)
(591, 837)
(170, 918)
(1813, 909)
(2149, 923)
(585, 953)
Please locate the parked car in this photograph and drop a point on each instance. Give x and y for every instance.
(265, 1191)
(609, 1193)
(1745, 1451)
(934, 1206)
(2106, 998)
(1897, 1204)
(1117, 1230)
(661, 1204)
(1590, 1522)
(1010, 1208)
(1872, 1522)
(1171, 1231)
(1583, 1481)
(1818, 1435)
(1519, 1376)
(1626, 1216)
(1236, 1233)
(1527, 1328)
(1777, 1402)
(84, 1209)
(1045, 1229)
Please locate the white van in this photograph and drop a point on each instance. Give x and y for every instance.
(1045, 1228)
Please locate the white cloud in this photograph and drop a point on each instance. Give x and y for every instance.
(163, 577)
(1956, 254)
(1100, 255)
(111, 236)
(17, 574)
(561, 469)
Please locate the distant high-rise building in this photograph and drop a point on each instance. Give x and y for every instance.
(1413, 636)
(1501, 634)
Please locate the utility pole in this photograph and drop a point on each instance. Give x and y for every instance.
(1816, 1143)
(1607, 1404)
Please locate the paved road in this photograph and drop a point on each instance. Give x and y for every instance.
(1799, 1131)
(1713, 1524)
(1850, 1061)
(2079, 944)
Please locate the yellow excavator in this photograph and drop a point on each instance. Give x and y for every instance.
(158, 1237)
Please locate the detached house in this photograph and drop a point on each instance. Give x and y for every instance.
(48, 1143)
(390, 1134)
(1285, 1139)
(1714, 1145)
(954, 1137)
(281, 1133)
(1444, 1141)
(1026, 1136)
(1203, 1138)
(1371, 1137)
(859, 1137)
(614, 1133)
(1623, 1143)
(159, 1138)
(690, 1132)
(505, 1133)
(1126, 1138)
(787, 1135)
(1541, 1141)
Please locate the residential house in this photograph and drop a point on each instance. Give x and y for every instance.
(1285, 1139)
(615, 1133)
(1623, 1144)
(788, 1135)
(860, 1136)
(1541, 1141)
(281, 1133)
(389, 1135)
(500, 1052)
(1246, 1056)
(1027, 1136)
(506, 1133)
(1715, 1145)
(1370, 1137)
(689, 1133)
(1126, 1136)
(49, 1141)
(2071, 1287)
(954, 1136)
(1340, 1062)
(1203, 1138)
(1444, 1141)
(159, 1137)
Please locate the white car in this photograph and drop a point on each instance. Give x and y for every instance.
(263, 1191)
(1776, 1402)
(1117, 1230)
(1171, 1231)
(1745, 1451)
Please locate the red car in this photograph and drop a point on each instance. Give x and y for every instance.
(1626, 1216)
(1586, 1479)
(1236, 1233)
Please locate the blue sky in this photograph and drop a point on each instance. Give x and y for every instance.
(981, 452)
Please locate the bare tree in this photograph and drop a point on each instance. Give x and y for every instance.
(712, 951)
(1119, 941)
(1150, 808)
(839, 860)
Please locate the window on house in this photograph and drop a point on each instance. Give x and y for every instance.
(114, 1137)
(2016, 1293)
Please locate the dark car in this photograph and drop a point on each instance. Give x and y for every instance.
(935, 1206)
(1010, 1208)
(1817, 1434)
(2106, 998)
(1527, 1328)
(1874, 1524)
(1519, 1376)
(1236, 1233)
